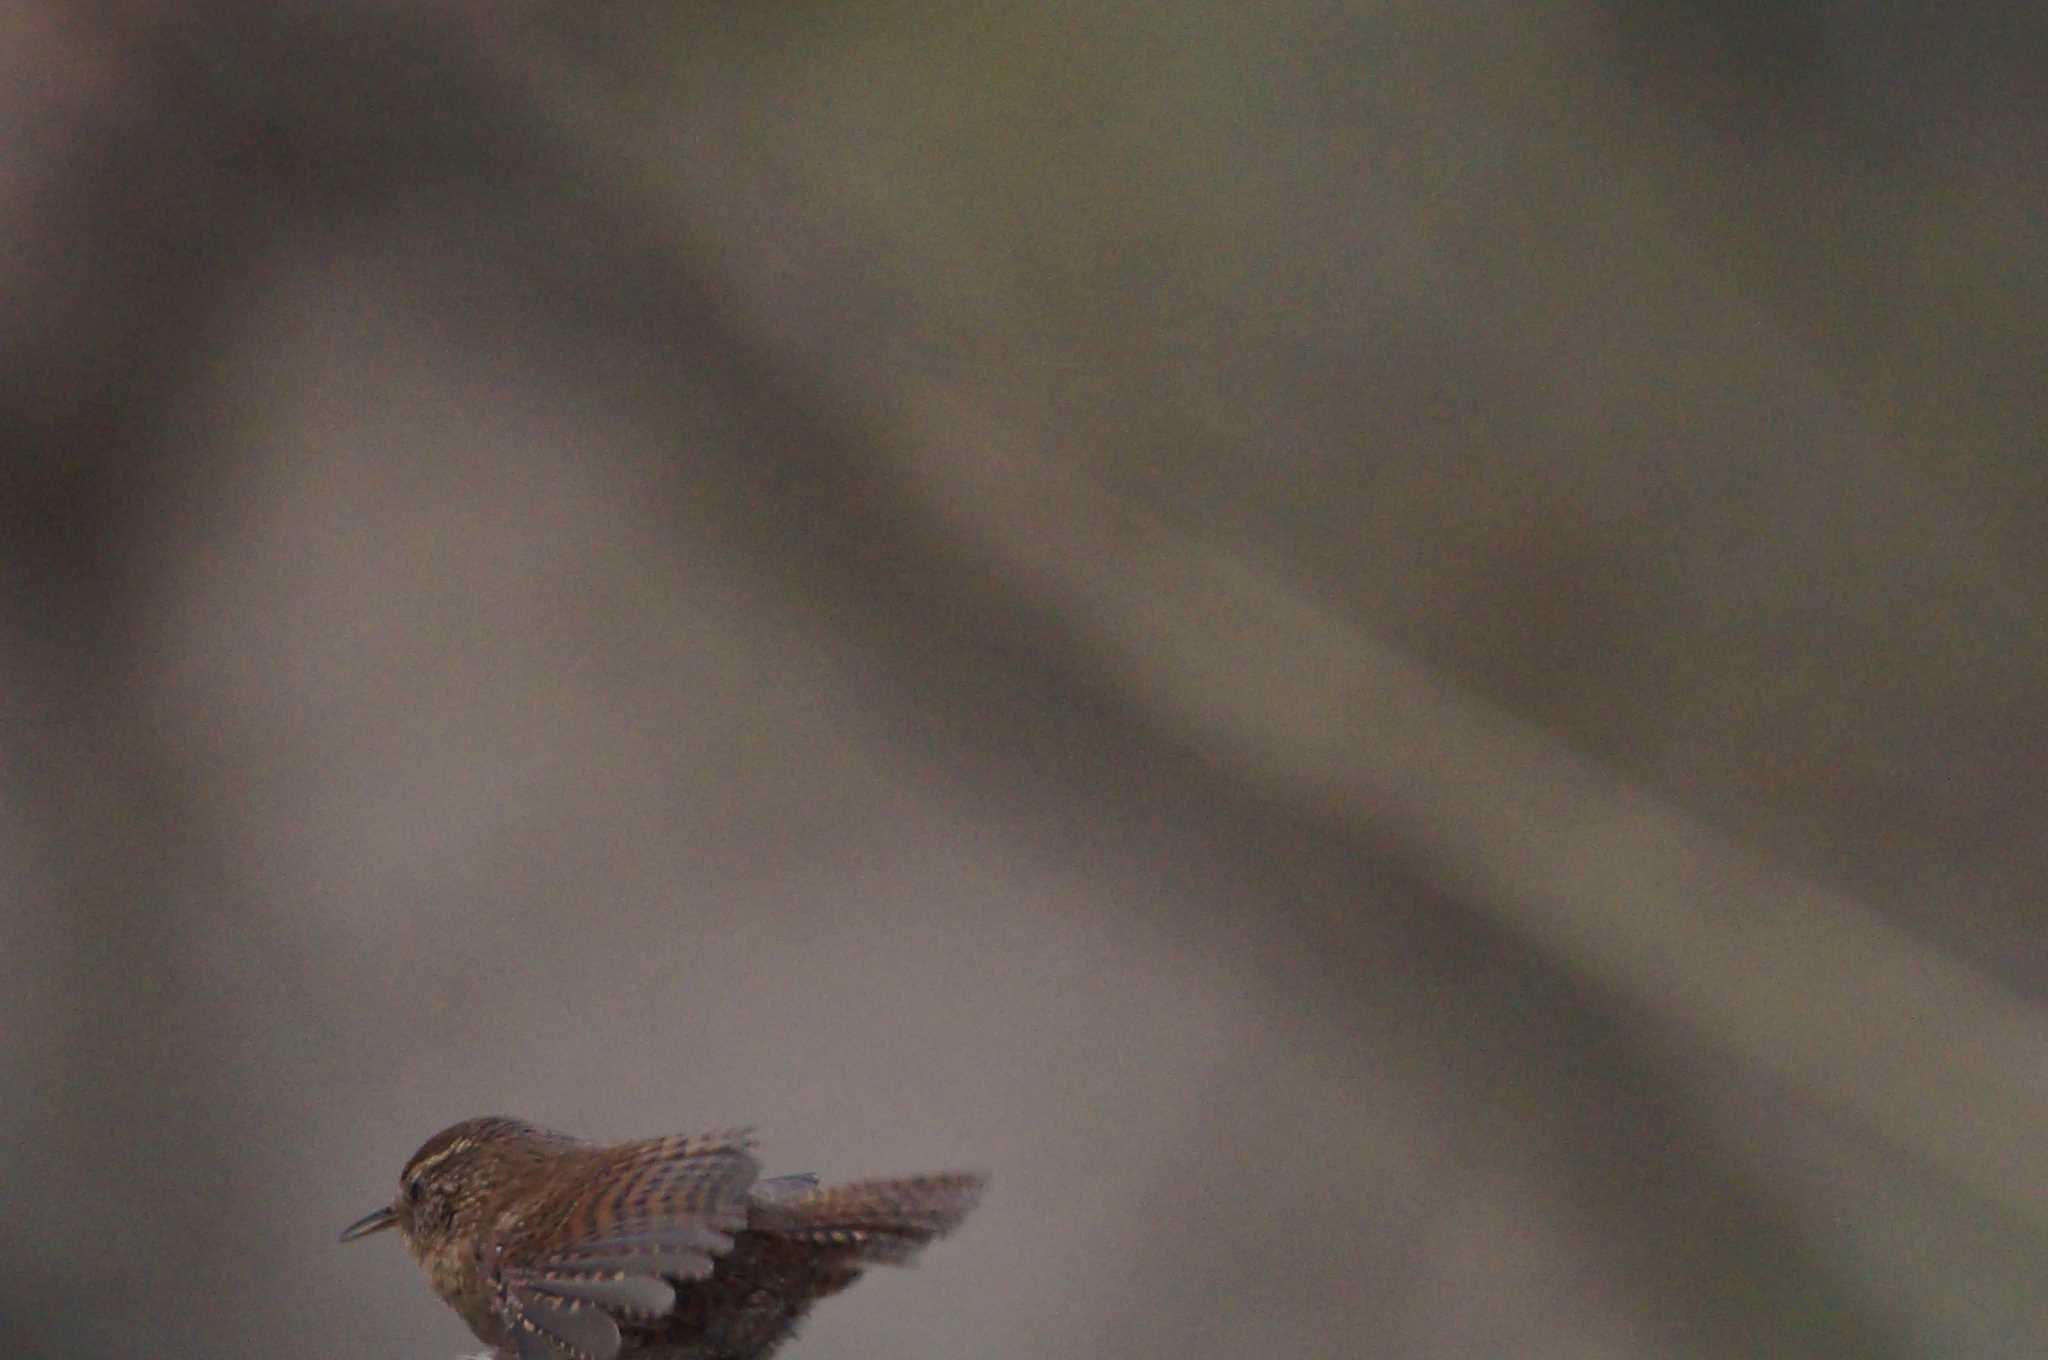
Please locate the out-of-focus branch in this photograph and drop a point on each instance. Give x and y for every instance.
(1632, 894)
(1625, 890)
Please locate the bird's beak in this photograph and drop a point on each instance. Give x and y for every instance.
(386, 1217)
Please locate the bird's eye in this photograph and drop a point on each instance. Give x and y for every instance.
(412, 1191)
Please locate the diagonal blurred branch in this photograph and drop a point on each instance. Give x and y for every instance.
(1627, 891)
(1623, 889)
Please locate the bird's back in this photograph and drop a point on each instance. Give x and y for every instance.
(673, 1249)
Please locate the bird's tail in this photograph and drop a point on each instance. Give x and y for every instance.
(875, 1222)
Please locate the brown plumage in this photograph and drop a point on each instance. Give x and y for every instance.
(666, 1249)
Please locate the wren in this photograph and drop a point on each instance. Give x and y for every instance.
(552, 1248)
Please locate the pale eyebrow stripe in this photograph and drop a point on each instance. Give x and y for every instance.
(443, 1155)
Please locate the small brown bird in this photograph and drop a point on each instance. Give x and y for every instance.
(552, 1248)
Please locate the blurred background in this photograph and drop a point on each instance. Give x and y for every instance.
(1390, 656)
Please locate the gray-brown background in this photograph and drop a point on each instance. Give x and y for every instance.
(1390, 656)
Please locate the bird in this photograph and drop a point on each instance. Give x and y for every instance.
(671, 1248)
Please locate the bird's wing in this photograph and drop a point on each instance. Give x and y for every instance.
(782, 1189)
(647, 1215)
